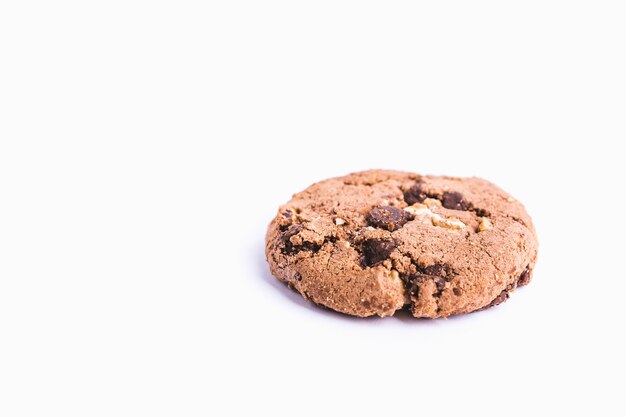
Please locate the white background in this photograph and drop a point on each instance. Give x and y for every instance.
(144, 147)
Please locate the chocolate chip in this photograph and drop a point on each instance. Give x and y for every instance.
(413, 282)
(290, 248)
(292, 230)
(504, 295)
(298, 276)
(457, 291)
(524, 278)
(415, 194)
(387, 217)
(437, 270)
(416, 278)
(287, 214)
(481, 212)
(377, 250)
(454, 200)
(440, 283)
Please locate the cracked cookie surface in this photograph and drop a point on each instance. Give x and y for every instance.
(375, 242)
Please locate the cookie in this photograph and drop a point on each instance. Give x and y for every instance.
(375, 242)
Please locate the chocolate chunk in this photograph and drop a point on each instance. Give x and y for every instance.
(481, 212)
(292, 230)
(412, 283)
(504, 295)
(440, 283)
(524, 278)
(457, 291)
(298, 276)
(438, 270)
(415, 194)
(438, 273)
(387, 217)
(376, 251)
(287, 214)
(416, 278)
(290, 248)
(454, 200)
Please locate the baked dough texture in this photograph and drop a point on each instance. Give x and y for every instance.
(375, 242)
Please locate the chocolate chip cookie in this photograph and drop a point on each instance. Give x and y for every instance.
(375, 242)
